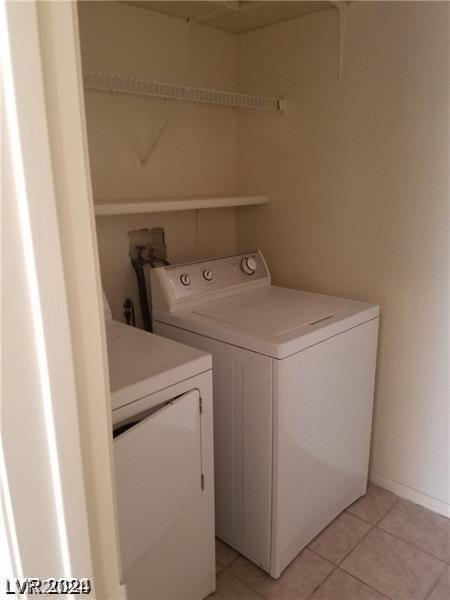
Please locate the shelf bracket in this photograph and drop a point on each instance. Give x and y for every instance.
(210, 16)
(342, 7)
(172, 110)
(144, 160)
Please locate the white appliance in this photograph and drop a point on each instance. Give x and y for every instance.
(293, 395)
(163, 456)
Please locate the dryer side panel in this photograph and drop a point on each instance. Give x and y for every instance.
(242, 383)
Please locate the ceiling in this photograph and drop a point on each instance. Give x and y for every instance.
(235, 16)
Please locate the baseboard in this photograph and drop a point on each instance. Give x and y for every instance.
(402, 490)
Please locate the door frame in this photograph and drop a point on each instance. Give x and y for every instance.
(44, 111)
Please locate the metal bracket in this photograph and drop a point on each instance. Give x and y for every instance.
(144, 160)
(342, 7)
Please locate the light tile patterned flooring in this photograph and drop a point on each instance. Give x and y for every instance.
(381, 547)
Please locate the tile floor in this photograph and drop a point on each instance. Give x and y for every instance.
(381, 547)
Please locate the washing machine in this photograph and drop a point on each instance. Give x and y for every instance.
(161, 394)
(293, 396)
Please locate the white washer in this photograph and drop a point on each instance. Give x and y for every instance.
(161, 394)
(293, 395)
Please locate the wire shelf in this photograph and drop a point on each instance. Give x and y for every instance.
(122, 84)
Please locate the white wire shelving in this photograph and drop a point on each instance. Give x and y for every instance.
(152, 205)
(122, 84)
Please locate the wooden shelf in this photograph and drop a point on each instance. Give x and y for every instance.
(151, 205)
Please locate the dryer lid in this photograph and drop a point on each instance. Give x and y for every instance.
(141, 363)
(273, 310)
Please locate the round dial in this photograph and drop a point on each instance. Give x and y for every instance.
(249, 265)
(185, 279)
(207, 275)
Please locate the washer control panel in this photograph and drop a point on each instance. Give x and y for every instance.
(185, 279)
(249, 265)
(214, 275)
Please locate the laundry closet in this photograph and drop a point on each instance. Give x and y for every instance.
(192, 146)
(224, 128)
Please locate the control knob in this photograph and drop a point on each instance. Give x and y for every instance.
(249, 265)
(185, 279)
(207, 274)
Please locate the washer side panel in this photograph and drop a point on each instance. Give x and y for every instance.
(242, 442)
(323, 401)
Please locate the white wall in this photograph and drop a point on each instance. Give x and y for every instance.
(356, 171)
(196, 155)
(24, 419)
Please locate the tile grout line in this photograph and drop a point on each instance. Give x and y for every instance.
(378, 523)
(234, 559)
(259, 593)
(347, 510)
(356, 545)
(382, 594)
(423, 552)
(412, 545)
(249, 586)
(243, 580)
(239, 555)
(433, 587)
(361, 540)
(370, 586)
(338, 566)
(388, 511)
(225, 567)
(335, 566)
(225, 570)
(371, 528)
(326, 578)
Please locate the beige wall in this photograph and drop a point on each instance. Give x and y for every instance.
(196, 155)
(189, 235)
(356, 171)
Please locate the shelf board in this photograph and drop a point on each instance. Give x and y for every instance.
(152, 205)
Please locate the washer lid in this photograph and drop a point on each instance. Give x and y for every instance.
(273, 321)
(273, 310)
(141, 363)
